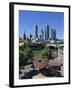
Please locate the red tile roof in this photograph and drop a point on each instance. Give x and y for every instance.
(44, 63)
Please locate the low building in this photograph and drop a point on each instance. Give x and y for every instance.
(20, 44)
(52, 64)
(52, 41)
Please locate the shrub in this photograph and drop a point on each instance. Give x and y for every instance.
(28, 53)
(22, 59)
(47, 53)
(21, 48)
(36, 46)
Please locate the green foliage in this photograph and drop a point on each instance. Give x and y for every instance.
(36, 46)
(61, 47)
(20, 40)
(22, 59)
(60, 42)
(28, 52)
(47, 53)
(21, 48)
(24, 56)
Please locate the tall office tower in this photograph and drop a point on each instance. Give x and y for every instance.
(36, 31)
(45, 35)
(24, 36)
(47, 32)
(42, 34)
(30, 36)
(53, 34)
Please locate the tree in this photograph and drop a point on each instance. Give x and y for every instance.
(24, 56)
(28, 53)
(50, 54)
(22, 47)
(47, 53)
(20, 40)
(22, 59)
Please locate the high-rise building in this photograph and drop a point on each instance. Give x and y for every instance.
(30, 36)
(42, 34)
(36, 31)
(47, 32)
(45, 35)
(53, 34)
(24, 36)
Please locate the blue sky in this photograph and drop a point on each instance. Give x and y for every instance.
(27, 20)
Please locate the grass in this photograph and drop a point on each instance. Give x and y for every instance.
(37, 54)
(62, 48)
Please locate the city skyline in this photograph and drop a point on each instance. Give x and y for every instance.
(27, 20)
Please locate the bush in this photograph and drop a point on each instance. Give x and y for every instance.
(24, 56)
(28, 53)
(36, 46)
(21, 48)
(50, 54)
(47, 53)
(22, 59)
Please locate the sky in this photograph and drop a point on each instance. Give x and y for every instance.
(28, 19)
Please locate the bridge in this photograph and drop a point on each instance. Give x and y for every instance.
(60, 52)
(54, 45)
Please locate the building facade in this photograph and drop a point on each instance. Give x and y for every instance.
(42, 34)
(47, 32)
(36, 31)
(53, 34)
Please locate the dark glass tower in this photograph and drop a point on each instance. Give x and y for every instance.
(36, 31)
(47, 32)
(53, 34)
(24, 36)
(42, 34)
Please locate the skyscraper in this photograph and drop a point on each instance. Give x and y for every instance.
(47, 32)
(53, 34)
(45, 35)
(24, 36)
(42, 34)
(36, 31)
